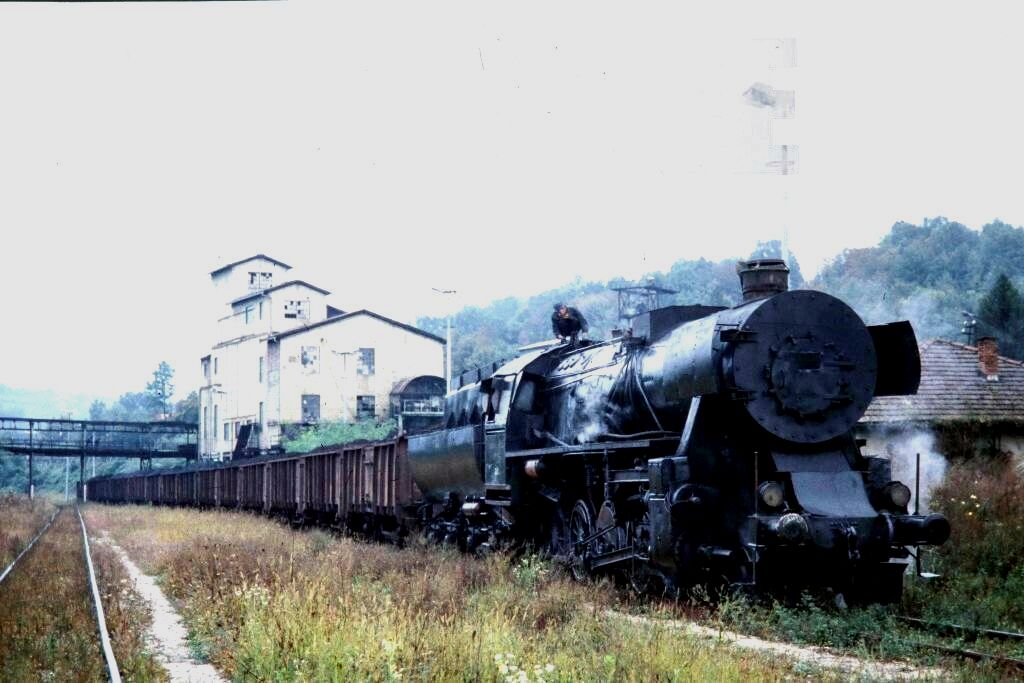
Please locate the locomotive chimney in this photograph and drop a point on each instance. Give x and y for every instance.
(988, 358)
(762, 278)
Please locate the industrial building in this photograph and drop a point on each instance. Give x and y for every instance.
(283, 355)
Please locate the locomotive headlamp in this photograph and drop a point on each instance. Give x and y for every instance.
(772, 494)
(793, 528)
(896, 493)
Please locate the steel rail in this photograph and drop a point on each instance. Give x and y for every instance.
(108, 653)
(29, 546)
(971, 654)
(957, 629)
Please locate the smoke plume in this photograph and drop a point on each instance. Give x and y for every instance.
(902, 448)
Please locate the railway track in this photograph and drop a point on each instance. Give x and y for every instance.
(7, 570)
(970, 633)
(34, 572)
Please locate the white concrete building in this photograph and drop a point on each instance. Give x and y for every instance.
(282, 354)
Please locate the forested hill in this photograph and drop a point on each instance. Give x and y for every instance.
(932, 273)
(926, 273)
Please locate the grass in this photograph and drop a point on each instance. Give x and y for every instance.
(267, 603)
(48, 628)
(20, 520)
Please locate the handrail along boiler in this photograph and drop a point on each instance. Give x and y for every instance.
(707, 442)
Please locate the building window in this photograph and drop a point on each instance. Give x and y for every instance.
(297, 309)
(261, 310)
(261, 415)
(206, 414)
(311, 359)
(238, 428)
(365, 409)
(260, 280)
(214, 423)
(227, 431)
(310, 407)
(215, 365)
(261, 369)
(366, 362)
(248, 314)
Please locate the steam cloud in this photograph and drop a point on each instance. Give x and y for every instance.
(902, 449)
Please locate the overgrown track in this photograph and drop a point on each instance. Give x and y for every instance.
(28, 547)
(966, 633)
(50, 609)
(101, 622)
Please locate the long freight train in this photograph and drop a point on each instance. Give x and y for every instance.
(703, 444)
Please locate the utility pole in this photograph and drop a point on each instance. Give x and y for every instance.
(447, 344)
(67, 477)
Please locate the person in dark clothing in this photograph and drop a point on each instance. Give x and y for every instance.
(567, 322)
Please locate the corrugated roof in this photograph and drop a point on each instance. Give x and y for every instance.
(953, 389)
(251, 258)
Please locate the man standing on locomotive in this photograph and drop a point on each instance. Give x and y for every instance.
(567, 323)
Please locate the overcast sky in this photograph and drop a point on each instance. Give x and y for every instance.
(497, 149)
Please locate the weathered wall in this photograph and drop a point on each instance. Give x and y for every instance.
(398, 353)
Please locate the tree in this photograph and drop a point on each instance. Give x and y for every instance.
(187, 409)
(160, 389)
(1001, 314)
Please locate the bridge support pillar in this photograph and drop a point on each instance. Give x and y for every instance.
(31, 483)
(81, 477)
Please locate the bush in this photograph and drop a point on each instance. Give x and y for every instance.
(982, 564)
(306, 439)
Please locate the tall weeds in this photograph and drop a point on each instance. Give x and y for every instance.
(20, 520)
(267, 603)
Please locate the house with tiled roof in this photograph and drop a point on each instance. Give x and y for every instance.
(970, 398)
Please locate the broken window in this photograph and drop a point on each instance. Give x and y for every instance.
(366, 362)
(297, 309)
(310, 407)
(260, 280)
(311, 359)
(365, 408)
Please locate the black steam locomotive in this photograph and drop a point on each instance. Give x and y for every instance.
(705, 443)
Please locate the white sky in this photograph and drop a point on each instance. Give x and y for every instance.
(498, 149)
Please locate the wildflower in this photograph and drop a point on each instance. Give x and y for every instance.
(549, 667)
(503, 669)
(974, 497)
(498, 657)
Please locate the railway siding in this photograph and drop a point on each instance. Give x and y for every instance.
(48, 623)
(20, 520)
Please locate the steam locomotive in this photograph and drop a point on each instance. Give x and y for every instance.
(704, 443)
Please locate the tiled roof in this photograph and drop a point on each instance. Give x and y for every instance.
(953, 389)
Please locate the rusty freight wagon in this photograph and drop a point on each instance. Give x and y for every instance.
(366, 488)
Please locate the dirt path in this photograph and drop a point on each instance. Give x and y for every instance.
(168, 638)
(817, 657)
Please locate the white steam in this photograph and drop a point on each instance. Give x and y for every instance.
(902, 448)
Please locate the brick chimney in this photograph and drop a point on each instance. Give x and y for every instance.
(988, 358)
